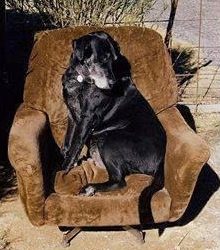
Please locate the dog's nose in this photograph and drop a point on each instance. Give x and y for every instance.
(89, 80)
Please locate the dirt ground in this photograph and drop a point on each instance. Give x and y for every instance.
(201, 233)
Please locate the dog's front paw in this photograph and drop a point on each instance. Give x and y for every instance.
(88, 190)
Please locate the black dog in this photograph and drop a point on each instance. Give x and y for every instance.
(108, 113)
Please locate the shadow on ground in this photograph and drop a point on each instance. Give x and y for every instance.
(208, 183)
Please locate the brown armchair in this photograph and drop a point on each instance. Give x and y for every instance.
(43, 108)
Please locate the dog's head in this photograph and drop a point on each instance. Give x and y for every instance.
(97, 57)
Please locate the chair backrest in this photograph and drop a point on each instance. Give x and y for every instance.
(150, 64)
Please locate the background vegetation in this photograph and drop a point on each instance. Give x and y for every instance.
(62, 13)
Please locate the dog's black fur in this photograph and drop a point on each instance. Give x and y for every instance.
(108, 113)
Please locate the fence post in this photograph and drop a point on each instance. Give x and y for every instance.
(168, 36)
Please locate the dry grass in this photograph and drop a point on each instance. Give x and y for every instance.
(207, 122)
(4, 242)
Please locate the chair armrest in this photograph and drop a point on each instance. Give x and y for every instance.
(24, 155)
(186, 154)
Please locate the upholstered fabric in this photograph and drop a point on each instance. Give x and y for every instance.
(107, 209)
(186, 154)
(43, 108)
(24, 153)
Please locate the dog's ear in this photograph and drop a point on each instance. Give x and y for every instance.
(82, 47)
(77, 51)
(114, 46)
(115, 49)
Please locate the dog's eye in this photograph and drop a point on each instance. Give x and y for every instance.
(105, 58)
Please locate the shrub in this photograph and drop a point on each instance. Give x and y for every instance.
(62, 13)
(185, 66)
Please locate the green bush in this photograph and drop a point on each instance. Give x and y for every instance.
(62, 13)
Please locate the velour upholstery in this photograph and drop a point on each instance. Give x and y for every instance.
(50, 196)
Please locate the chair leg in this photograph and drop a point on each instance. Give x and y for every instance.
(69, 235)
(138, 234)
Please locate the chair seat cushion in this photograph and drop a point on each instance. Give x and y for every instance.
(119, 207)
